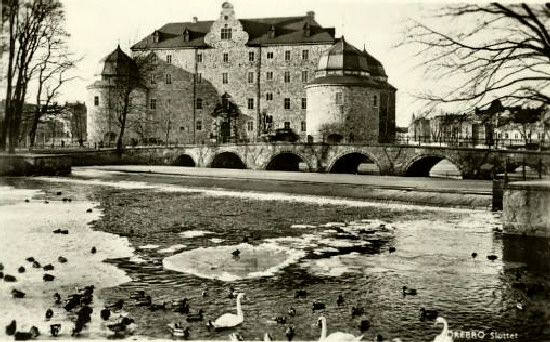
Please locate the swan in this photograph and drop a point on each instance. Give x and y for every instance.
(228, 320)
(444, 336)
(337, 336)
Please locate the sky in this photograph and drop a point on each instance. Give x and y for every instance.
(97, 26)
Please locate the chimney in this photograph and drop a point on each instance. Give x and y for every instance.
(195, 19)
(310, 14)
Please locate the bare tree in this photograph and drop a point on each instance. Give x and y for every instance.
(26, 27)
(78, 120)
(489, 51)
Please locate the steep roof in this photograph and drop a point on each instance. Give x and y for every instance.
(343, 56)
(288, 30)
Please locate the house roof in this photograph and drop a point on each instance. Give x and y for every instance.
(288, 30)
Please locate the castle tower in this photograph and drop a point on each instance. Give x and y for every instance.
(350, 99)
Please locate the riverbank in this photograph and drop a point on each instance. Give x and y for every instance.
(420, 191)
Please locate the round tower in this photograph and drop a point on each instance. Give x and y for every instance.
(350, 99)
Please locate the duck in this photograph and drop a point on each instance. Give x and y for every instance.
(84, 314)
(86, 290)
(300, 294)
(474, 255)
(57, 298)
(54, 329)
(268, 337)
(116, 306)
(444, 336)
(492, 257)
(17, 294)
(228, 320)
(408, 291)
(11, 328)
(94, 250)
(391, 249)
(121, 326)
(1, 275)
(146, 301)
(292, 311)
(62, 259)
(428, 314)
(180, 305)
(337, 336)
(30, 259)
(178, 330)
(137, 294)
(25, 336)
(49, 314)
(318, 306)
(195, 316)
(105, 314)
(77, 329)
(89, 210)
(236, 337)
(280, 320)
(27, 201)
(236, 253)
(289, 332)
(364, 325)
(340, 300)
(1, 266)
(9, 278)
(21, 269)
(357, 311)
(48, 277)
(48, 267)
(36, 264)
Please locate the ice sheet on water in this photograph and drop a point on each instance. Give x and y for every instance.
(149, 246)
(9, 195)
(27, 231)
(194, 233)
(172, 249)
(218, 262)
(216, 240)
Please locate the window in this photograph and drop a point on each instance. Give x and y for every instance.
(96, 101)
(287, 103)
(287, 76)
(506, 135)
(304, 103)
(225, 57)
(339, 97)
(375, 101)
(226, 33)
(224, 78)
(250, 103)
(269, 75)
(199, 103)
(169, 59)
(270, 55)
(168, 79)
(250, 125)
(199, 78)
(182, 128)
(251, 56)
(153, 104)
(305, 54)
(303, 126)
(516, 136)
(199, 125)
(153, 79)
(287, 55)
(287, 125)
(305, 77)
(269, 96)
(251, 77)
(199, 58)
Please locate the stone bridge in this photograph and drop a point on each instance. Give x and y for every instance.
(396, 160)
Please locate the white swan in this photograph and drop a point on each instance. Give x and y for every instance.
(444, 336)
(337, 336)
(228, 320)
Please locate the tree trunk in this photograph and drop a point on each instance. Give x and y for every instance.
(32, 133)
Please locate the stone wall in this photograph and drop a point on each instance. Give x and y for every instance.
(526, 208)
(358, 114)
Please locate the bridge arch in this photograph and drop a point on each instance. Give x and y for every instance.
(349, 161)
(228, 160)
(420, 165)
(286, 161)
(184, 160)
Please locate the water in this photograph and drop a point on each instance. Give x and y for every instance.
(433, 254)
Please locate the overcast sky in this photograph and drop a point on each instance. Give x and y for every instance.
(97, 26)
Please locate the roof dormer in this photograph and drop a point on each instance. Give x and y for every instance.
(307, 29)
(186, 35)
(156, 37)
(271, 32)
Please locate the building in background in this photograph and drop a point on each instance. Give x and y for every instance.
(233, 79)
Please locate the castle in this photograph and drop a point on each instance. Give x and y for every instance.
(234, 80)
